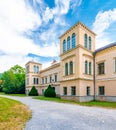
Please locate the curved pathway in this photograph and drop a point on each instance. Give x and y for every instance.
(48, 115)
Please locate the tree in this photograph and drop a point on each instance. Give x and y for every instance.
(14, 80)
(33, 92)
(17, 69)
(1, 82)
(50, 92)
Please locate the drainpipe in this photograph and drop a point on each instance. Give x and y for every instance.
(94, 81)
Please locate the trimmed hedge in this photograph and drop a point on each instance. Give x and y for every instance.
(33, 92)
(50, 92)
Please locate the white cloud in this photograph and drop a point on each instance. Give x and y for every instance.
(15, 18)
(75, 3)
(102, 23)
(48, 15)
(7, 61)
(18, 17)
(62, 7)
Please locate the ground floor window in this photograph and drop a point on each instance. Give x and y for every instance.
(27, 81)
(65, 90)
(101, 90)
(88, 91)
(42, 91)
(73, 90)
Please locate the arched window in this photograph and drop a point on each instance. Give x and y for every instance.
(64, 45)
(90, 65)
(35, 81)
(85, 40)
(66, 69)
(68, 43)
(73, 40)
(37, 69)
(86, 67)
(34, 69)
(71, 67)
(89, 43)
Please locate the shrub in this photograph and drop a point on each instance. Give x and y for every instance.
(50, 92)
(33, 92)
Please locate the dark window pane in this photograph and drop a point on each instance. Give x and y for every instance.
(101, 68)
(101, 90)
(71, 67)
(73, 40)
(73, 90)
(65, 90)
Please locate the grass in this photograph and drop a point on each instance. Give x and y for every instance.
(19, 95)
(91, 103)
(13, 114)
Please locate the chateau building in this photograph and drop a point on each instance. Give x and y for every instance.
(83, 73)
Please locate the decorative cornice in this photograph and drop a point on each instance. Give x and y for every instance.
(76, 79)
(33, 63)
(105, 48)
(50, 67)
(77, 24)
(76, 48)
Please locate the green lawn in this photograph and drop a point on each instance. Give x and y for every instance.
(91, 103)
(19, 95)
(13, 114)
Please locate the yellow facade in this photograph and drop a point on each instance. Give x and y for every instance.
(76, 74)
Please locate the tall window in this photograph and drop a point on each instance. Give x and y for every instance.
(66, 69)
(55, 78)
(68, 43)
(27, 69)
(46, 80)
(114, 65)
(101, 90)
(71, 67)
(73, 40)
(42, 91)
(65, 90)
(90, 67)
(101, 68)
(42, 80)
(27, 81)
(89, 43)
(88, 91)
(86, 67)
(64, 45)
(36, 69)
(35, 80)
(50, 79)
(73, 90)
(85, 40)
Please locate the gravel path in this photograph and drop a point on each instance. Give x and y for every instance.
(48, 115)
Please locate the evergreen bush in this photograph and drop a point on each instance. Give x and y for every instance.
(33, 92)
(50, 92)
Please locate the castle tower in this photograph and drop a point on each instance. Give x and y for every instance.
(76, 63)
(32, 75)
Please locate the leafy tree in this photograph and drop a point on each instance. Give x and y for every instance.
(17, 69)
(33, 92)
(50, 92)
(14, 80)
(1, 82)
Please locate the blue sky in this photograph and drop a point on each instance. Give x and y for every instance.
(30, 29)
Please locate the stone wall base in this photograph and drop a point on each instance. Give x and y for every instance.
(89, 98)
(78, 98)
(106, 98)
